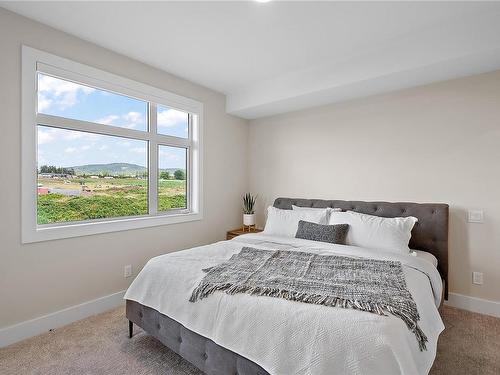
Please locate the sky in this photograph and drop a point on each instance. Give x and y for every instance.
(69, 148)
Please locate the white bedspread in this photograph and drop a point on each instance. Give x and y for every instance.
(287, 337)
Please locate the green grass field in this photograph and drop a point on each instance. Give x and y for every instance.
(105, 198)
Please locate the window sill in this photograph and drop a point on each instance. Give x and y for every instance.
(55, 232)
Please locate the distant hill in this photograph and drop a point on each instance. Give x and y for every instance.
(114, 169)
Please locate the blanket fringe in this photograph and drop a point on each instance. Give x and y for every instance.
(205, 289)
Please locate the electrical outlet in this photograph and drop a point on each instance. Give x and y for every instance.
(477, 278)
(475, 216)
(127, 271)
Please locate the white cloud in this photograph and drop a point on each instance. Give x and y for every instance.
(171, 117)
(124, 143)
(70, 150)
(47, 135)
(41, 160)
(54, 91)
(44, 136)
(138, 150)
(69, 135)
(44, 103)
(166, 156)
(134, 117)
(108, 120)
(40, 157)
(130, 120)
(103, 147)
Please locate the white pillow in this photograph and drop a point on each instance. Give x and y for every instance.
(375, 232)
(326, 210)
(285, 222)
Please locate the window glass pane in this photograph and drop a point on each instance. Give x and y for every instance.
(172, 178)
(85, 176)
(63, 98)
(172, 122)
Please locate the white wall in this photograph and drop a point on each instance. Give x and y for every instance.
(437, 143)
(41, 278)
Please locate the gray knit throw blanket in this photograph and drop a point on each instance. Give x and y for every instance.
(375, 286)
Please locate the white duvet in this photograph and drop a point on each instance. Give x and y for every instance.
(287, 337)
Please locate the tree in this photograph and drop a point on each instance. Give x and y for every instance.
(164, 175)
(56, 170)
(179, 174)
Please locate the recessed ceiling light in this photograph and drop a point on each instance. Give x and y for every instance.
(262, 1)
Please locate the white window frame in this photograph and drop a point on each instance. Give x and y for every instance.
(34, 61)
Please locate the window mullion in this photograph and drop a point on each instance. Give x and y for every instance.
(172, 141)
(153, 161)
(92, 127)
(189, 166)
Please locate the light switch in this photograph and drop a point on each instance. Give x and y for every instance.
(477, 278)
(127, 271)
(475, 216)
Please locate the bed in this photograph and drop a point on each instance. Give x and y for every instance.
(244, 334)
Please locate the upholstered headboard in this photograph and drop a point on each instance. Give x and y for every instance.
(430, 233)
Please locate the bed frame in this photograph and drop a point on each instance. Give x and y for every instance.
(430, 234)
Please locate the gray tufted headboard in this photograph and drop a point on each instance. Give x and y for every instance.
(429, 234)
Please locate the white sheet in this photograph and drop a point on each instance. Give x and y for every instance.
(287, 337)
(425, 255)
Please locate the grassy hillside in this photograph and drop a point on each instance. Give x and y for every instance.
(114, 169)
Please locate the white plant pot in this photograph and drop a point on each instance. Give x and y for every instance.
(248, 219)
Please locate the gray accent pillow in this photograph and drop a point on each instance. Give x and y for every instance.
(336, 234)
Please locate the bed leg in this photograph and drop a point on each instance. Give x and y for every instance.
(130, 329)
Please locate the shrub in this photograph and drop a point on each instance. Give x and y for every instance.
(179, 174)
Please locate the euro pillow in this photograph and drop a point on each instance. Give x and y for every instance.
(335, 234)
(285, 222)
(389, 234)
(327, 211)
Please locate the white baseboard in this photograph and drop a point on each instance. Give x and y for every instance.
(479, 305)
(33, 327)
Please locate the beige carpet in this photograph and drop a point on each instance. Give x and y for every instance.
(100, 345)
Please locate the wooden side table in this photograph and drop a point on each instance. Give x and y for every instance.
(238, 232)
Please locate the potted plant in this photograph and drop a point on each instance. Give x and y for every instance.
(248, 209)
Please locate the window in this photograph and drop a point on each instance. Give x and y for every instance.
(103, 153)
(172, 184)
